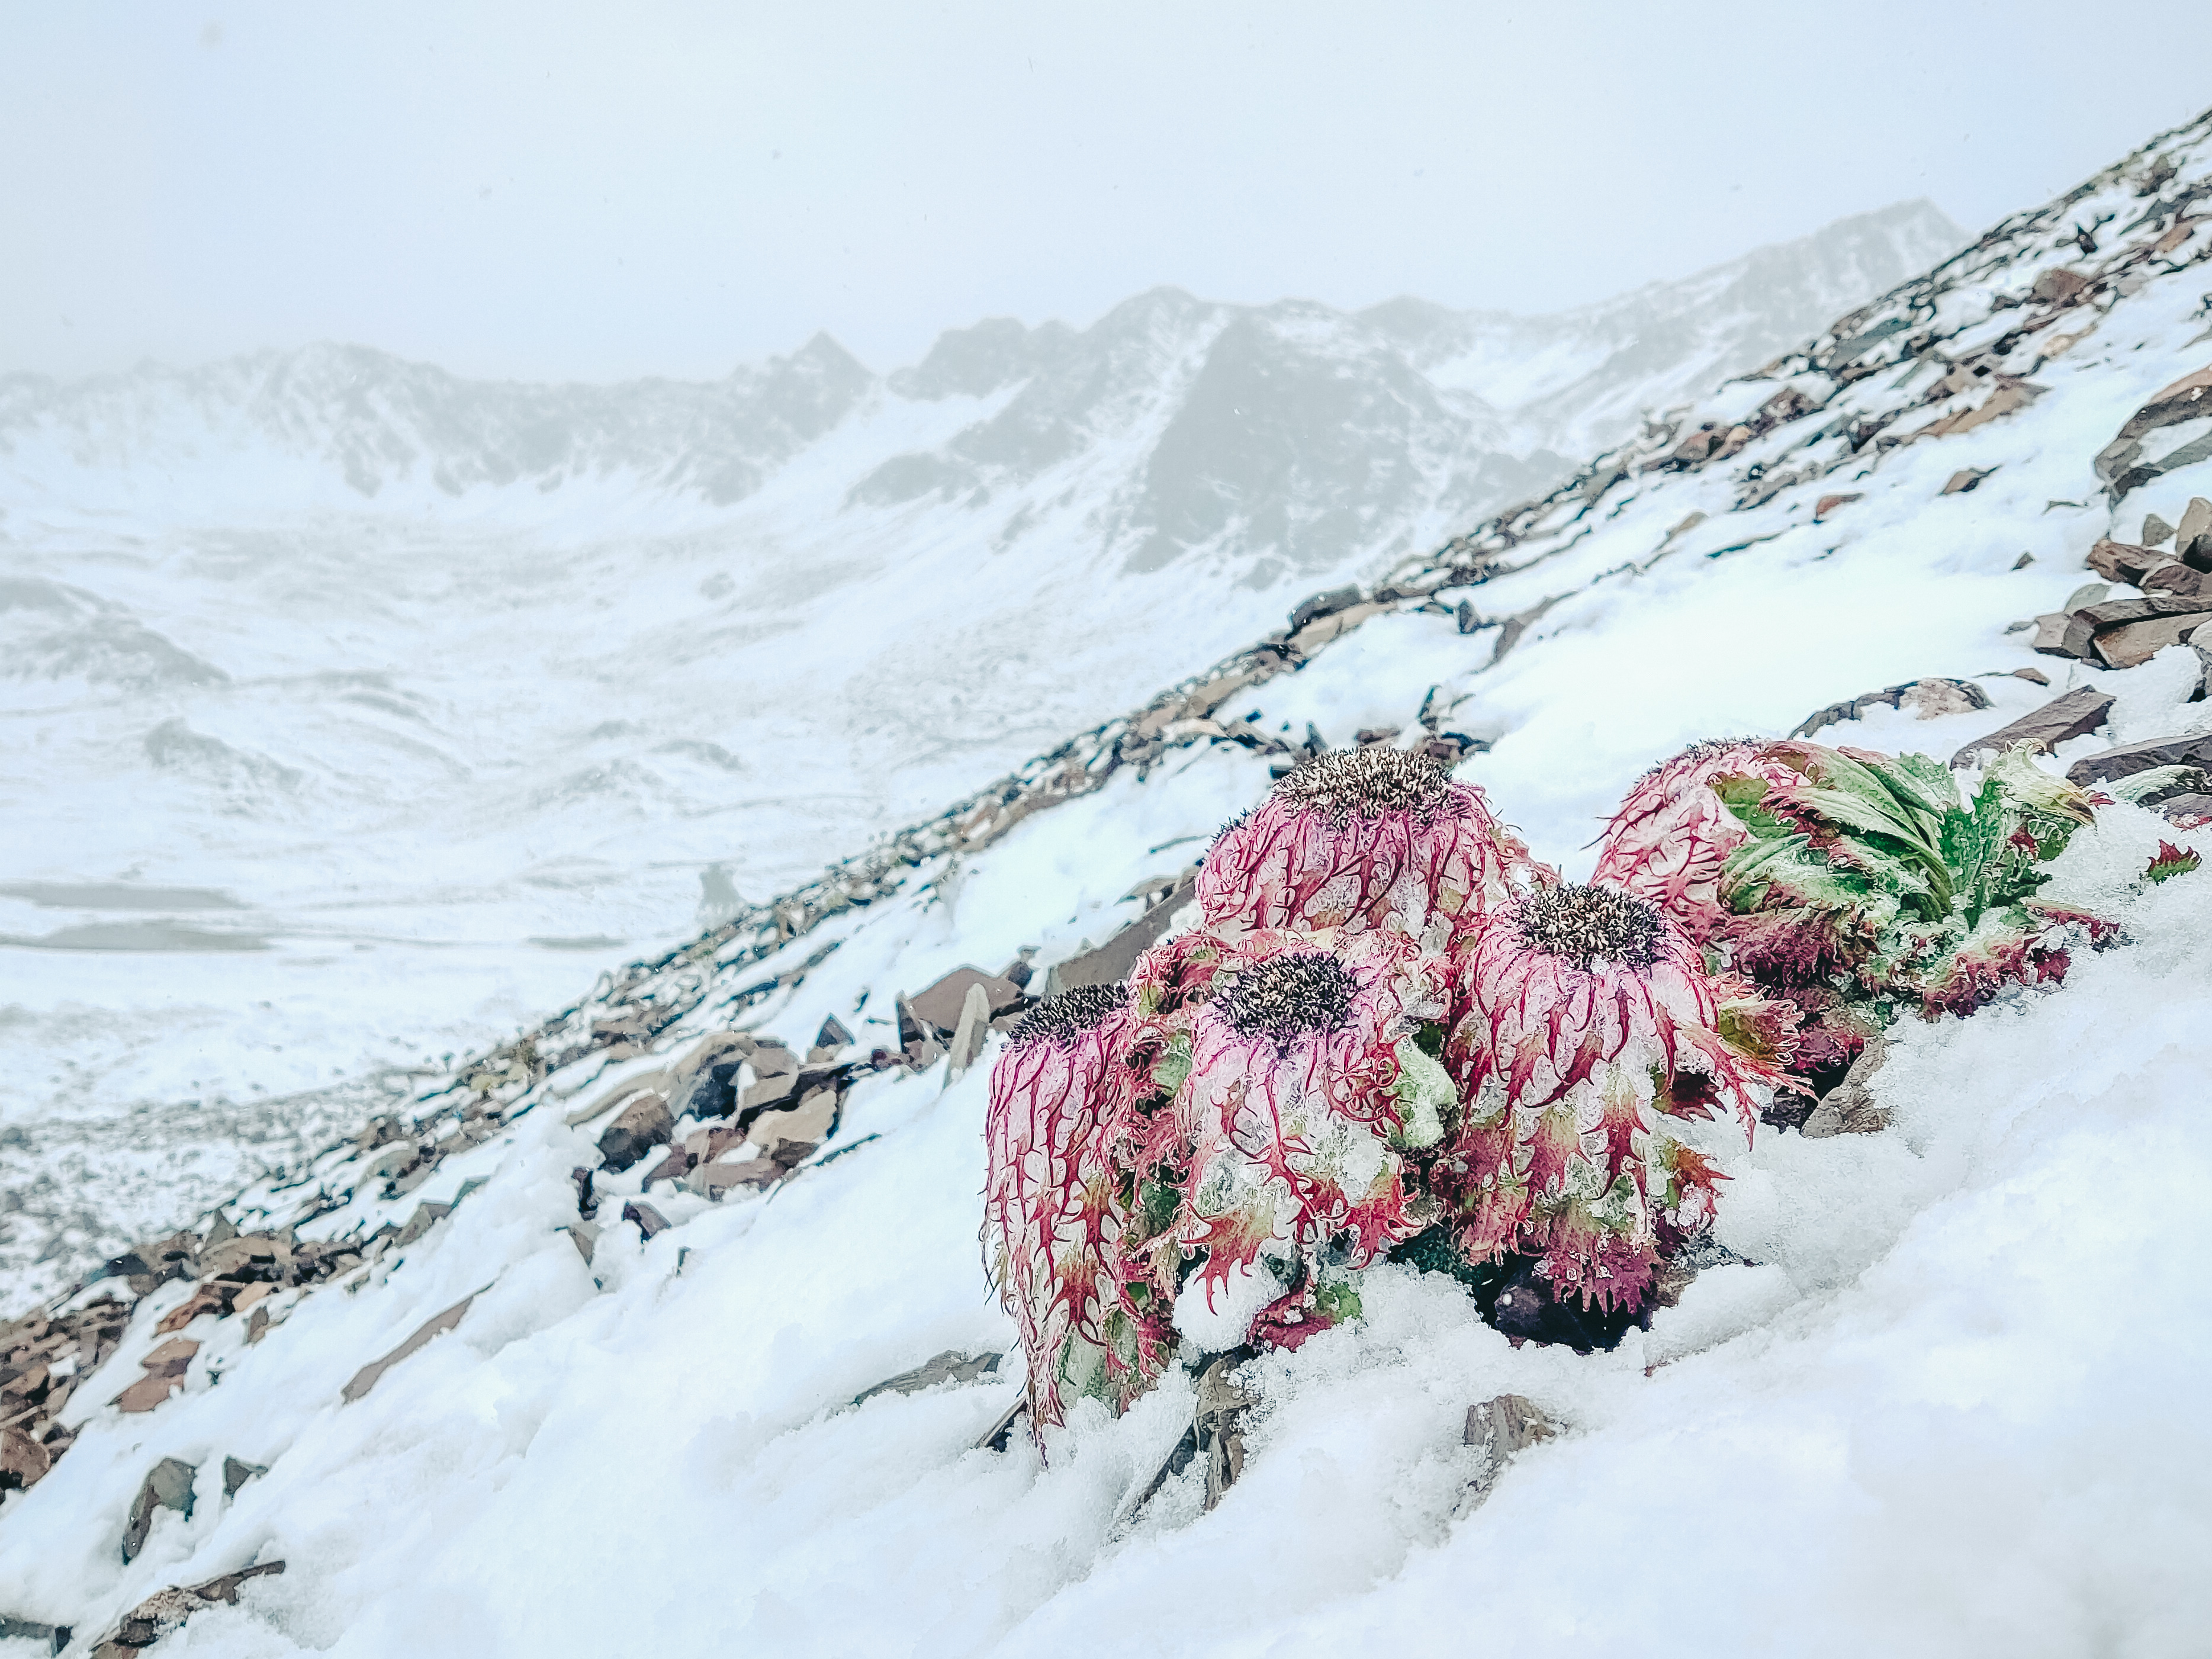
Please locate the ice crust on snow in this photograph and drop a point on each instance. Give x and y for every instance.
(1934, 1407)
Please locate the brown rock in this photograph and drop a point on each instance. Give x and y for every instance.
(2118, 562)
(649, 1220)
(1965, 479)
(23, 1460)
(2190, 540)
(2089, 625)
(1112, 961)
(1829, 504)
(2076, 714)
(2132, 643)
(147, 1392)
(939, 1008)
(2057, 285)
(251, 1295)
(2051, 633)
(642, 1124)
(370, 1375)
(2175, 577)
(2128, 758)
(2156, 531)
(713, 1180)
(170, 1358)
(790, 1135)
(206, 1299)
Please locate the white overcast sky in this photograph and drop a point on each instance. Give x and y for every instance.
(543, 189)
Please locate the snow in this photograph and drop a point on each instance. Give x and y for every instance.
(1946, 1383)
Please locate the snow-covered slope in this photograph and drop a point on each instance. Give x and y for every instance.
(1936, 1409)
(358, 714)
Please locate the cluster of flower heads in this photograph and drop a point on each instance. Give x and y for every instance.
(1832, 889)
(1389, 1026)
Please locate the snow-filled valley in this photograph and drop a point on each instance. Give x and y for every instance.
(476, 1383)
(359, 715)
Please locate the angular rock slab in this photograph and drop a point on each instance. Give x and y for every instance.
(2128, 758)
(370, 1375)
(2076, 714)
(953, 1365)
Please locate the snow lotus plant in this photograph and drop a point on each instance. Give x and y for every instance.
(1850, 885)
(1588, 1021)
(1390, 1024)
(1352, 839)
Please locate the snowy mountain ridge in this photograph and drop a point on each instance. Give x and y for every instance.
(1289, 428)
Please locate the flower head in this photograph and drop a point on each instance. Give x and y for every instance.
(1588, 1020)
(1351, 838)
(1051, 1218)
(1301, 1092)
(1672, 835)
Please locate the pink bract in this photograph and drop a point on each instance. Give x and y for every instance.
(1289, 1111)
(1050, 1219)
(1672, 834)
(1353, 837)
(1588, 1020)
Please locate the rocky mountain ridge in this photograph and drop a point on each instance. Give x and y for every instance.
(1289, 432)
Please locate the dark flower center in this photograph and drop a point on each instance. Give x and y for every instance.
(1288, 995)
(1366, 783)
(1070, 1015)
(1581, 924)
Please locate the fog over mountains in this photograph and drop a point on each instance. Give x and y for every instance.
(402, 704)
(1289, 434)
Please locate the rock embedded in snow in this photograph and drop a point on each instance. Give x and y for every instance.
(1849, 1107)
(2062, 720)
(167, 1485)
(641, 1125)
(235, 1474)
(1217, 1420)
(2122, 633)
(2128, 758)
(1499, 1428)
(1928, 699)
(2120, 462)
(371, 1374)
(166, 1611)
(939, 1008)
(953, 1365)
